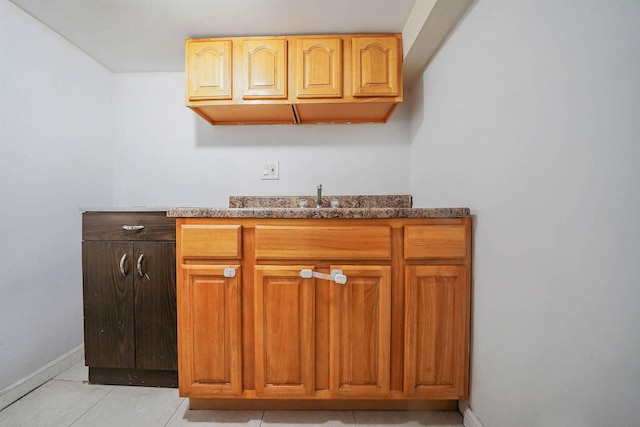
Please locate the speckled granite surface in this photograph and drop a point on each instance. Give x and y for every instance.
(375, 201)
(318, 213)
(379, 206)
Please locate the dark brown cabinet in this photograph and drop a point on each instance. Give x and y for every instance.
(129, 294)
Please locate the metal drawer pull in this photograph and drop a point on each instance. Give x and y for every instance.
(229, 272)
(335, 276)
(132, 227)
(139, 265)
(122, 260)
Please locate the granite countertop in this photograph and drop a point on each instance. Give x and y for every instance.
(287, 213)
(286, 207)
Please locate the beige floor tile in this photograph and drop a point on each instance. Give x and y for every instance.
(307, 418)
(403, 418)
(69, 400)
(77, 372)
(133, 406)
(201, 418)
(453, 418)
(56, 403)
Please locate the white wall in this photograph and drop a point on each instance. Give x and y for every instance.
(530, 116)
(167, 155)
(55, 156)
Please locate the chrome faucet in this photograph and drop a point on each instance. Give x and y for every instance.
(319, 197)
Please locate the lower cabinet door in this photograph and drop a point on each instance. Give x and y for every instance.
(155, 305)
(107, 276)
(360, 329)
(436, 331)
(209, 322)
(284, 331)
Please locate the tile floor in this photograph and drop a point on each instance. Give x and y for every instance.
(68, 400)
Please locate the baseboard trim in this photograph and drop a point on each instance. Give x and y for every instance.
(34, 380)
(470, 419)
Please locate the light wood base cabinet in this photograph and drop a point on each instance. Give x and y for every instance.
(255, 332)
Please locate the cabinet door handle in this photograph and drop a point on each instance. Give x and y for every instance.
(133, 227)
(335, 276)
(139, 265)
(122, 268)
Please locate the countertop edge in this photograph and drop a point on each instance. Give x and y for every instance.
(319, 213)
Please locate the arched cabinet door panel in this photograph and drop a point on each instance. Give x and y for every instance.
(376, 66)
(264, 68)
(318, 67)
(209, 70)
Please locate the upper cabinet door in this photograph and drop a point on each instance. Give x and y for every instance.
(376, 65)
(318, 67)
(265, 68)
(209, 69)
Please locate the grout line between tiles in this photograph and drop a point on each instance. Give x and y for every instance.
(174, 412)
(92, 406)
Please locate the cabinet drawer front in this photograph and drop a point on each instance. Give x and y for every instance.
(109, 226)
(434, 241)
(211, 241)
(322, 242)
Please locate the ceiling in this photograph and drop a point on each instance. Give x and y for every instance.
(148, 35)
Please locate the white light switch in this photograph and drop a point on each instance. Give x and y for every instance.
(270, 169)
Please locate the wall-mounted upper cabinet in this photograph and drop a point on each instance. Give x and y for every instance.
(376, 66)
(318, 67)
(264, 64)
(334, 78)
(209, 72)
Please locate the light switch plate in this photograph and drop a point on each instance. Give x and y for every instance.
(270, 169)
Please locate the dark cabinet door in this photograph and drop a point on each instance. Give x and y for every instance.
(155, 305)
(108, 304)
